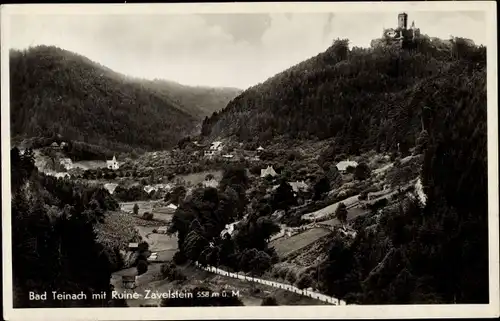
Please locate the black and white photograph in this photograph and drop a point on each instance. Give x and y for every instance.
(328, 160)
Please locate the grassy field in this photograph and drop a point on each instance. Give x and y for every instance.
(89, 164)
(196, 178)
(160, 213)
(286, 246)
(352, 213)
(163, 244)
(144, 206)
(330, 209)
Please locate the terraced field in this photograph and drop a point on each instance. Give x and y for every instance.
(287, 246)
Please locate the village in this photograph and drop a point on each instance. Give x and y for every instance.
(303, 226)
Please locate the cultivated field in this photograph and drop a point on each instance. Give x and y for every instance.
(352, 213)
(330, 209)
(144, 206)
(286, 246)
(163, 244)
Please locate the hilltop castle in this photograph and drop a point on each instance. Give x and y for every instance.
(402, 33)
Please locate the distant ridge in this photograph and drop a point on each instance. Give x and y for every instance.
(58, 92)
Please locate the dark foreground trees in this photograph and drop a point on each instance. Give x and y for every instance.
(437, 251)
(54, 245)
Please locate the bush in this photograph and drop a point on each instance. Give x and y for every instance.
(304, 282)
(179, 258)
(147, 216)
(170, 272)
(142, 267)
(269, 301)
(143, 247)
(290, 277)
(362, 172)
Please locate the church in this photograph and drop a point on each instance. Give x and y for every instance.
(112, 164)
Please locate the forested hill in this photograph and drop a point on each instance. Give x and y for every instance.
(364, 98)
(54, 91)
(198, 101)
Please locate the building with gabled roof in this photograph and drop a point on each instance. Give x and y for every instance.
(133, 246)
(269, 171)
(112, 164)
(343, 165)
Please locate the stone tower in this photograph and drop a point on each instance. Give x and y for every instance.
(402, 21)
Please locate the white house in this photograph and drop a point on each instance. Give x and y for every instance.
(268, 171)
(172, 206)
(343, 165)
(260, 149)
(210, 183)
(228, 156)
(112, 164)
(216, 146)
(299, 186)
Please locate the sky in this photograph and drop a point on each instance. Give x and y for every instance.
(221, 50)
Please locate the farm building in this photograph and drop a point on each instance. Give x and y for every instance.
(133, 246)
(269, 171)
(128, 281)
(54, 145)
(260, 149)
(343, 165)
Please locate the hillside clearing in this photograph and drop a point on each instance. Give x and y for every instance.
(286, 246)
